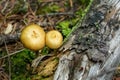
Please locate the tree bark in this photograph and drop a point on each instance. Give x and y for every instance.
(93, 49)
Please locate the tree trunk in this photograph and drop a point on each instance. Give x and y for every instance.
(93, 49)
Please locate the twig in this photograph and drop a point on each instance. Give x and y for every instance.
(9, 60)
(50, 1)
(71, 3)
(5, 6)
(11, 54)
(57, 14)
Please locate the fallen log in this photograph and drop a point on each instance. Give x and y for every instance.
(93, 49)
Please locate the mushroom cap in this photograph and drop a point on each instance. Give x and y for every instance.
(33, 37)
(54, 39)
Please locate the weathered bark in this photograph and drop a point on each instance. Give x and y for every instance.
(93, 49)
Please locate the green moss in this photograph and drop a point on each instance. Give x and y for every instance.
(45, 50)
(19, 65)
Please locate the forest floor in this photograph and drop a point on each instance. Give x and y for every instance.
(19, 63)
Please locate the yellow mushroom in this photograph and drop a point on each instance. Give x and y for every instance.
(54, 39)
(33, 37)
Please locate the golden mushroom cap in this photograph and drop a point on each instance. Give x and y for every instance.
(33, 37)
(54, 39)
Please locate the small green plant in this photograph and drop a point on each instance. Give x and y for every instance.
(64, 26)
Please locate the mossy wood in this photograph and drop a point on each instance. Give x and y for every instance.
(93, 49)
